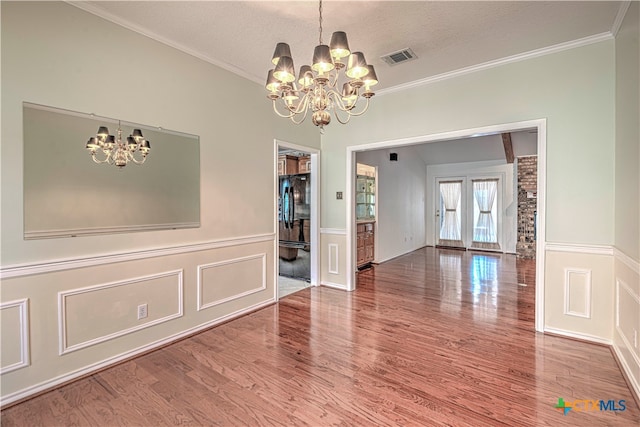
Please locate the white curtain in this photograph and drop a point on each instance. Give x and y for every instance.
(484, 229)
(450, 228)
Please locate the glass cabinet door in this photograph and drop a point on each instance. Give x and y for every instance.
(365, 197)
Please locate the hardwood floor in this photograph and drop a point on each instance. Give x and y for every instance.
(435, 337)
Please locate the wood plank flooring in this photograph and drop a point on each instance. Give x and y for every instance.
(435, 337)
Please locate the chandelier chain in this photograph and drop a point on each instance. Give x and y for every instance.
(320, 21)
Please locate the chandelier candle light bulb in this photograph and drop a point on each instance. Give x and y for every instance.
(319, 90)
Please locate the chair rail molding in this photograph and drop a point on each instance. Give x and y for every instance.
(29, 269)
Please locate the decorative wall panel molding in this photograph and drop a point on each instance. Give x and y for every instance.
(70, 323)
(112, 360)
(627, 260)
(334, 258)
(21, 270)
(627, 307)
(249, 270)
(579, 249)
(577, 292)
(21, 307)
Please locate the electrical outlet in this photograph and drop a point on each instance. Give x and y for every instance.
(142, 311)
(339, 195)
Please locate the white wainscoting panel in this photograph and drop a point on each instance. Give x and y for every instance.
(29, 269)
(577, 292)
(628, 308)
(249, 271)
(110, 361)
(95, 314)
(334, 258)
(15, 335)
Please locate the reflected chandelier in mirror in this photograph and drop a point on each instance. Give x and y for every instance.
(67, 195)
(115, 151)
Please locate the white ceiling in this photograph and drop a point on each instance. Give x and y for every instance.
(446, 36)
(476, 149)
(472, 149)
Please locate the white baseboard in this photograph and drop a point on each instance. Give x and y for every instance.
(48, 384)
(635, 386)
(579, 336)
(334, 285)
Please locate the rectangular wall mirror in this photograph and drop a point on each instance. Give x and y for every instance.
(67, 194)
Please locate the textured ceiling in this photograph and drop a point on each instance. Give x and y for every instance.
(446, 36)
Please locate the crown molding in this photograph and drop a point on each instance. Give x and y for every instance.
(585, 41)
(596, 38)
(94, 10)
(617, 23)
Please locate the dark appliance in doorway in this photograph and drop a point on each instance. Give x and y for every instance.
(294, 194)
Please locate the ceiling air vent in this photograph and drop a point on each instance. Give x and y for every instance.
(400, 56)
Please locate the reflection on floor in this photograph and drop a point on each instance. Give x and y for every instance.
(299, 268)
(294, 274)
(287, 285)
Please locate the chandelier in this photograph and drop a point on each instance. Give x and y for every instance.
(116, 151)
(317, 88)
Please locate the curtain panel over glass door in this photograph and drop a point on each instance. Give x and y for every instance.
(450, 214)
(485, 214)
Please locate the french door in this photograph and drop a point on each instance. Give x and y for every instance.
(467, 213)
(450, 213)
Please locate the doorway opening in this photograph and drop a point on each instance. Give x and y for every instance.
(479, 223)
(296, 218)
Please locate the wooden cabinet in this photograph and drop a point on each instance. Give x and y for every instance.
(287, 165)
(292, 165)
(304, 164)
(365, 243)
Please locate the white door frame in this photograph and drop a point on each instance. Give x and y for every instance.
(314, 228)
(539, 124)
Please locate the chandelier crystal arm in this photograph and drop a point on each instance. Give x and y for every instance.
(284, 116)
(289, 115)
(350, 110)
(136, 161)
(98, 161)
(336, 111)
(306, 110)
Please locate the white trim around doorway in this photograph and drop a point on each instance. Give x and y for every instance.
(539, 124)
(315, 210)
